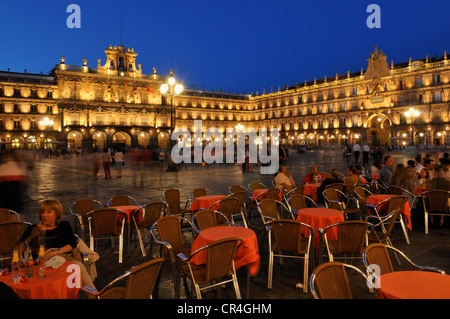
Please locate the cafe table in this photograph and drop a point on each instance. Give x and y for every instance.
(53, 286)
(378, 198)
(413, 285)
(204, 202)
(320, 218)
(247, 254)
(129, 210)
(311, 190)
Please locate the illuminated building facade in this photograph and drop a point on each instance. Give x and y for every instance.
(115, 104)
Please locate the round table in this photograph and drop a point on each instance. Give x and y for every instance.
(206, 201)
(246, 254)
(318, 218)
(53, 286)
(413, 285)
(311, 190)
(377, 198)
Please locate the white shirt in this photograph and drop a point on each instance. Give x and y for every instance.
(356, 148)
(281, 179)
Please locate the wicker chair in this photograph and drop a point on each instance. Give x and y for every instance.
(378, 254)
(338, 186)
(288, 238)
(219, 264)
(435, 202)
(351, 237)
(240, 207)
(299, 201)
(171, 197)
(166, 231)
(393, 203)
(8, 215)
(256, 185)
(269, 210)
(122, 200)
(141, 281)
(330, 281)
(197, 193)
(79, 209)
(296, 190)
(207, 218)
(227, 207)
(382, 236)
(143, 219)
(361, 194)
(107, 223)
(237, 188)
(10, 234)
(395, 190)
(336, 199)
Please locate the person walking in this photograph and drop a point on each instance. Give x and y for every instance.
(356, 150)
(105, 160)
(119, 160)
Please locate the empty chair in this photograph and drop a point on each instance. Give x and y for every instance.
(10, 234)
(272, 193)
(330, 281)
(338, 186)
(166, 231)
(240, 207)
(122, 200)
(288, 242)
(140, 283)
(350, 241)
(143, 219)
(237, 188)
(197, 193)
(219, 265)
(382, 236)
(79, 209)
(435, 202)
(296, 190)
(256, 185)
(8, 215)
(336, 199)
(104, 224)
(172, 198)
(361, 194)
(378, 254)
(269, 210)
(227, 206)
(299, 201)
(207, 218)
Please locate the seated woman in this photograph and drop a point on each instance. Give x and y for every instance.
(351, 181)
(334, 178)
(398, 175)
(409, 181)
(55, 233)
(423, 178)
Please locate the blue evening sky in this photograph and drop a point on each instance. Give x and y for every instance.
(232, 45)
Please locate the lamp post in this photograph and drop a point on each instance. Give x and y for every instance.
(171, 88)
(412, 113)
(46, 122)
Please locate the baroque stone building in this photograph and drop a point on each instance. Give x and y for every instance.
(115, 104)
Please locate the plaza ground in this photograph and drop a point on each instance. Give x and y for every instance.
(69, 179)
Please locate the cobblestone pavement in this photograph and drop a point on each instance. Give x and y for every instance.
(68, 179)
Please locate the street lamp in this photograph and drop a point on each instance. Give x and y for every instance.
(412, 113)
(171, 88)
(46, 122)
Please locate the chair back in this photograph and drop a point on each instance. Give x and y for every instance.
(338, 186)
(142, 279)
(219, 258)
(395, 190)
(150, 213)
(329, 281)
(104, 221)
(390, 219)
(351, 236)
(169, 230)
(240, 196)
(272, 193)
(297, 202)
(228, 206)
(199, 192)
(256, 185)
(377, 254)
(8, 215)
(173, 200)
(10, 233)
(437, 201)
(83, 206)
(332, 198)
(206, 218)
(397, 202)
(268, 208)
(122, 200)
(288, 235)
(237, 188)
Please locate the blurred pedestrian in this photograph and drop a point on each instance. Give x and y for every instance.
(105, 160)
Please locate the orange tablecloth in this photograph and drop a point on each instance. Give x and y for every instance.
(54, 286)
(375, 176)
(311, 190)
(377, 198)
(320, 218)
(205, 201)
(257, 192)
(413, 285)
(420, 190)
(128, 210)
(246, 254)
